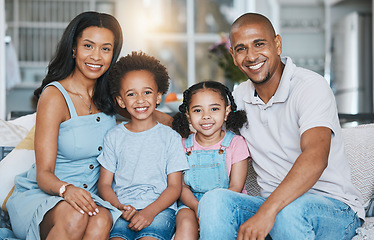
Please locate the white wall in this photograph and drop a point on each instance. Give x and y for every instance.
(2, 59)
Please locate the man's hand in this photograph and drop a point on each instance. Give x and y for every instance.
(257, 227)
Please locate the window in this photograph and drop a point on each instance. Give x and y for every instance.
(178, 32)
(36, 26)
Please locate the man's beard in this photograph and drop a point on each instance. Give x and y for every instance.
(267, 78)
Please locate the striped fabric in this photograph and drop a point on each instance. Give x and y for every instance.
(5, 151)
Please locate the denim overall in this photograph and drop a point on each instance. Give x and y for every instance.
(207, 167)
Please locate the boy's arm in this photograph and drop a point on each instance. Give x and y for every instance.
(107, 193)
(172, 192)
(238, 175)
(188, 198)
(105, 187)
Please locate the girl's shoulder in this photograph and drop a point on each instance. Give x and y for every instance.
(238, 141)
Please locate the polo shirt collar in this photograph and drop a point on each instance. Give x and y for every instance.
(283, 90)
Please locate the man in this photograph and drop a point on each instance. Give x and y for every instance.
(295, 140)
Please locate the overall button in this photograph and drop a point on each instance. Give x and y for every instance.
(91, 166)
(98, 119)
(85, 185)
(99, 148)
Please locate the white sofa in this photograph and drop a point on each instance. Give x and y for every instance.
(359, 145)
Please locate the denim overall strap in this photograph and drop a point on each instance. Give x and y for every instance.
(227, 139)
(207, 167)
(188, 142)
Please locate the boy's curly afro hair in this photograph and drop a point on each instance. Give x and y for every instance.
(134, 62)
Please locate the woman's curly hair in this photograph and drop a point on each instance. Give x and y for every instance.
(235, 120)
(134, 62)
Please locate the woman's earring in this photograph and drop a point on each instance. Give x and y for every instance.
(74, 56)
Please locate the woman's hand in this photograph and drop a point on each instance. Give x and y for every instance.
(80, 200)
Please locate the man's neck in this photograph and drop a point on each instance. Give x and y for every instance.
(266, 90)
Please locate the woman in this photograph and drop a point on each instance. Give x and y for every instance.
(56, 198)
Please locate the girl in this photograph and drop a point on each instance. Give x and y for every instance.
(142, 160)
(217, 158)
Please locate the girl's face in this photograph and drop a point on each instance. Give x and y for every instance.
(207, 112)
(139, 94)
(94, 52)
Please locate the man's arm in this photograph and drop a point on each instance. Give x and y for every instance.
(307, 169)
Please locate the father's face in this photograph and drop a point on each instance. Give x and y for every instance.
(256, 51)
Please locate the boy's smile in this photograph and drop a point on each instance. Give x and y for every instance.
(139, 95)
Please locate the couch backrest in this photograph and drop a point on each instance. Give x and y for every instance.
(359, 147)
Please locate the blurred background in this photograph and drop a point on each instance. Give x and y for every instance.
(331, 37)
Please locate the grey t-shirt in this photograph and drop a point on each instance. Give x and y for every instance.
(141, 162)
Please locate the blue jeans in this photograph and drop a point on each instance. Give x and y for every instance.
(162, 227)
(311, 216)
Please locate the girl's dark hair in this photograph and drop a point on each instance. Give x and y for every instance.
(134, 62)
(235, 119)
(63, 64)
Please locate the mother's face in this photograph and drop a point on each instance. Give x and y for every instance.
(93, 52)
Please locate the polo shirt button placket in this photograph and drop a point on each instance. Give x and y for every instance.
(98, 119)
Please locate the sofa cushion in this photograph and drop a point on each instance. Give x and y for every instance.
(359, 147)
(11, 134)
(17, 161)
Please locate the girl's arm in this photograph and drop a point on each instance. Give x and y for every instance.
(51, 112)
(172, 192)
(238, 175)
(106, 192)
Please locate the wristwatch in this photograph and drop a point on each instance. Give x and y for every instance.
(63, 189)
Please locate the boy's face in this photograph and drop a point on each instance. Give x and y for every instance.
(139, 94)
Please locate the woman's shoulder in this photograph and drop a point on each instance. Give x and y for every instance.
(52, 96)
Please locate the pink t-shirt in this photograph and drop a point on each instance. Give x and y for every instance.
(236, 152)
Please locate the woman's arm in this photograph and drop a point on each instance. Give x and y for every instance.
(238, 175)
(172, 192)
(51, 112)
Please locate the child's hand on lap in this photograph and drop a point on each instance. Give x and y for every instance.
(128, 211)
(142, 219)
